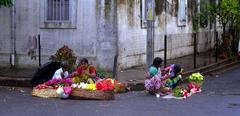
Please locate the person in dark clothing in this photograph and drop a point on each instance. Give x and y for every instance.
(45, 73)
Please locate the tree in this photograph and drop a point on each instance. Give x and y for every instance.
(7, 3)
(227, 13)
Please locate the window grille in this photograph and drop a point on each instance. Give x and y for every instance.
(58, 10)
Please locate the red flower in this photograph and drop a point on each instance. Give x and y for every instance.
(105, 85)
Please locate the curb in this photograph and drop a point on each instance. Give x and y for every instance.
(15, 81)
(138, 85)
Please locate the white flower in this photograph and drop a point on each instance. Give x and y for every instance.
(60, 90)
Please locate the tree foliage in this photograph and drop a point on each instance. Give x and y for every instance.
(227, 12)
(7, 3)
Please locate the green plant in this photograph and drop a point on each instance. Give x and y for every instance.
(7, 3)
(177, 92)
(195, 22)
(225, 52)
(103, 74)
(65, 54)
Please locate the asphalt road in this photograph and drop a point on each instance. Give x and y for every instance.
(220, 97)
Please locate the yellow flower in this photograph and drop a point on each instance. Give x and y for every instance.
(91, 87)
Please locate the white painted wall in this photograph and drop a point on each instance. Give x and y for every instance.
(132, 39)
(84, 40)
(103, 29)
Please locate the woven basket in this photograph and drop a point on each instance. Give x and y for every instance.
(92, 95)
(45, 93)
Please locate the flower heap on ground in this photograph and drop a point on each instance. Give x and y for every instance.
(195, 82)
(65, 86)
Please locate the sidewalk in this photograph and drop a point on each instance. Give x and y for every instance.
(132, 76)
(186, 62)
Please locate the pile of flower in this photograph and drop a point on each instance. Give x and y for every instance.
(196, 77)
(85, 86)
(110, 85)
(65, 86)
(186, 92)
(62, 86)
(194, 86)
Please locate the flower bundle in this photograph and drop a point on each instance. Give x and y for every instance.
(63, 92)
(43, 86)
(105, 85)
(119, 87)
(85, 86)
(59, 82)
(196, 77)
(181, 92)
(188, 91)
(90, 87)
(194, 88)
(65, 54)
(177, 92)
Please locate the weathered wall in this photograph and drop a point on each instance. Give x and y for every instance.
(93, 38)
(105, 28)
(132, 38)
(106, 33)
(5, 38)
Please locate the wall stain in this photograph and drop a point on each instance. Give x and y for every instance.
(192, 9)
(175, 7)
(130, 9)
(107, 9)
(121, 2)
(159, 7)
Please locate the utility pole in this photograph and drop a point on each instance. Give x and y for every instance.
(150, 4)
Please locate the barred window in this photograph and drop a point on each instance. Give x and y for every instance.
(57, 10)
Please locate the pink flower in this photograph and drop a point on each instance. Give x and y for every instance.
(67, 90)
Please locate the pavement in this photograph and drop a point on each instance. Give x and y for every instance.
(133, 77)
(219, 97)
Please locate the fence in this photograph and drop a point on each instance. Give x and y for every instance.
(202, 48)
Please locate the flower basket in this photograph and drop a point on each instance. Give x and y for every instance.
(91, 94)
(45, 93)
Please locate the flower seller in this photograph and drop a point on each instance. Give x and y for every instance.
(172, 75)
(153, 77)
(61, 72)
(84, 72)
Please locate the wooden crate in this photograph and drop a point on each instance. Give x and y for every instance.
(92, 95)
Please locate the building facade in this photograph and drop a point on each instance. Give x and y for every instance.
(100, 30)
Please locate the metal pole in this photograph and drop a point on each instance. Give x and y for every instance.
(216, 38)
(39, 50)
(165, 34)
(195, 50)
(165, 50)
(13, 34)
(149, 43)
(150, 31)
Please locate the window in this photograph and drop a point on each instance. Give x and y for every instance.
(142, 14)
(57, 10)
(182, 17)
(58, 13)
